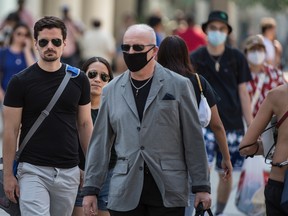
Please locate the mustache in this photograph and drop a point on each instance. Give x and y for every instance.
(49, 51)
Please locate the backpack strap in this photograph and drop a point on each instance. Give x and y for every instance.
(74, 71)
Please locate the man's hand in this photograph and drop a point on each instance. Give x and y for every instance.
(203, 197)
(227, 168)
(11, 188)
(90, 205)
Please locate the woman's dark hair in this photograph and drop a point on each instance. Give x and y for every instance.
(88, 62)
(49, 22)
(173, 54)
(19, 25)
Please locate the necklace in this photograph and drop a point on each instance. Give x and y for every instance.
(217, 62)
(138, 88)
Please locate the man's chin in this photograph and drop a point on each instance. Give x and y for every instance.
(50, 59)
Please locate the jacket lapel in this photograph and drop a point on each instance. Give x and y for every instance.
(127, 93)
(156, 85)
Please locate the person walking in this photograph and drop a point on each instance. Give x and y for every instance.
(226, 69)
(275, 103)
(264, 76)
(48, 174)
(150, 115)
(99, 72)
(173, 55)
(18, 55)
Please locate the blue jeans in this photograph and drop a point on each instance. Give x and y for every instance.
(102, 197)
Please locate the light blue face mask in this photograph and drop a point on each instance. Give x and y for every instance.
(216, 38)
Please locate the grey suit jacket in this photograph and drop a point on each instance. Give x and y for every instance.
(169, 139)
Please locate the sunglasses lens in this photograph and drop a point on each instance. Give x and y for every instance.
(104, 77)
(92, 74)
(56, 42)
(43, 42)
(125, 47)
(138, 47)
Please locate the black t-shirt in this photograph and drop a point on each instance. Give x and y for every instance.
(208, 91)
(234, 70)
(55, 143)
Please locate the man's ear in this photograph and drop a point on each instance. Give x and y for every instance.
(64, 42)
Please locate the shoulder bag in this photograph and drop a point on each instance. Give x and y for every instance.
(5, 204)
(204, 111)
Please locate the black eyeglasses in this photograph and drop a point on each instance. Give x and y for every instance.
(136, 47)
(56, 42)
(104, 77)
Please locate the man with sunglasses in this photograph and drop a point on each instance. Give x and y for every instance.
(226, 69)
(48, 174)
(149, 114)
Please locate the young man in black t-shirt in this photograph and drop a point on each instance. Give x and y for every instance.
(227, 71)
(48, 173)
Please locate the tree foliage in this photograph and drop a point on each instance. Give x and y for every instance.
(272, 5)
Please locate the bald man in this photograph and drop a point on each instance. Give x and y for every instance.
(150, 115)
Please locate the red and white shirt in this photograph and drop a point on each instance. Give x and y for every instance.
(272, 77)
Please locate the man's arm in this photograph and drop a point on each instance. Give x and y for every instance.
(12, 121)
(245, 103)
(85, 126)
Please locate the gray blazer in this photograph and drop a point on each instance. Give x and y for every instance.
(169, 139)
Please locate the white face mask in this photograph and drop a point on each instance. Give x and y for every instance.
(216, 38)
(256, 57)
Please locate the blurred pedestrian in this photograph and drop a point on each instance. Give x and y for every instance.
(99, 72)
(227, 71)
(173, 55)
(18, 55)
(273, 47)
(48, 174)
(155, 22)
(98, 42)
(193, 35)
(264, 76)
(151, 112)
(71, 54)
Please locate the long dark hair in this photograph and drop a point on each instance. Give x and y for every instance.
(91, 60)
(19, 25)
(173, 54)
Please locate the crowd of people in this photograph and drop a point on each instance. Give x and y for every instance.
(147, 153)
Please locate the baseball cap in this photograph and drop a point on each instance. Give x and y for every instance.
(254, 40)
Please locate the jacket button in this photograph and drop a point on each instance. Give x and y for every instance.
(138, 128)
(140, 168)
(142, 147)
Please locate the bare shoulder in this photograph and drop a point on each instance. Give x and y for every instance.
(279, 98)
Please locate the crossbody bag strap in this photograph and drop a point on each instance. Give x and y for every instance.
(44, 114)
(283, 118)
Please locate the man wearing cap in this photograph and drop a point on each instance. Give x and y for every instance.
(226, 69)
(264, 76)
(273, 46)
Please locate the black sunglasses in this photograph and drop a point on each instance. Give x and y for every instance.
(136, 47)
(56, 42)
(104, 77)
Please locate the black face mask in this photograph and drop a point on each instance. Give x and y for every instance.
(136, 61)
